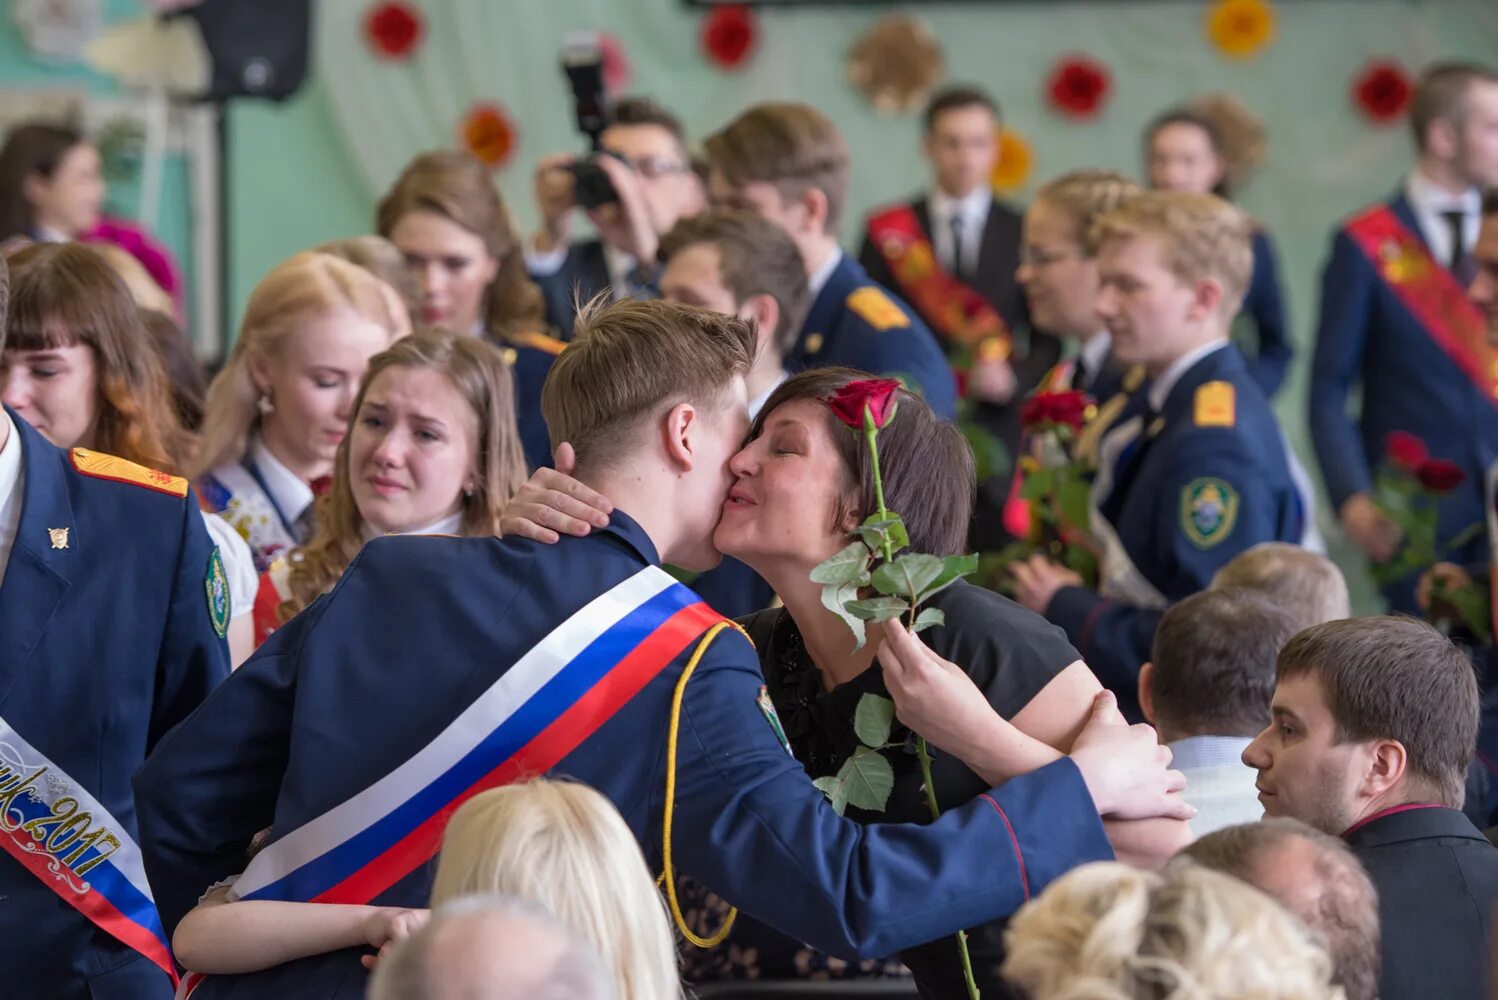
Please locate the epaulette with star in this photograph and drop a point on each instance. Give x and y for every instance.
(872, 305)
(98, 465)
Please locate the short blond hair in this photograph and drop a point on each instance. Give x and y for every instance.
(790, 145)
(1307, 586)
(630, 361)
(1107, 931)
(1085, 196)
(1204, 237)
(565, 847)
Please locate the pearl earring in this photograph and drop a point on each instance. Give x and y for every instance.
(265, 404)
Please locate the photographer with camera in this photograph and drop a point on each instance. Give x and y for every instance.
(633, 189)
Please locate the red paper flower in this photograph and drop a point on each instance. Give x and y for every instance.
(729, 35)
(488, 134)
(393, 29)
(1440, 476)
(1383, 91)
(1406, 451)
(879, 395)
(1068, 407)
(616, 68)
(1078, 87)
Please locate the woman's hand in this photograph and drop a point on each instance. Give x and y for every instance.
(551, 503)
(388, 926)
(1449, 575)
(1126, 768)
(1036, 581)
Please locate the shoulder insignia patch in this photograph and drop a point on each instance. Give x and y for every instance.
(874, 307)
(1209, 511)
(1216, 404)
(814, 342)
(772, 717)
(98, 465)
(216, 586)
(1133, 378)
(540, 342)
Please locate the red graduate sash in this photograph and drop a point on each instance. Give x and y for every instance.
(955, 309)
(1430, 292)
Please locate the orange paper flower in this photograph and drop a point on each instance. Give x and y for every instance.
(1015, 162)
(1240, 28)
(489, 134)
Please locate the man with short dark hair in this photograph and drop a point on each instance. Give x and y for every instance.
(1314, 876)
(1374, 723)
(651, 172)
(1206, 690)
(1395, 324)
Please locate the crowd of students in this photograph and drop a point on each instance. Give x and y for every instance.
(365, 655)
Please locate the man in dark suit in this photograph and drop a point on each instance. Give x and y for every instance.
(653, 178)
(1394, 321)
(1373, 725)
(953, 253)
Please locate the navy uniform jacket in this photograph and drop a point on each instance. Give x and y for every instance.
(1437, 882)
(584, 274)
(419, 626)
(857, 323)
(1264, 304)
(1367, 337)
(1183, 501)
(105, 644)
(530, 356)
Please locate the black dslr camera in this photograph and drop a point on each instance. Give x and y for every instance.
(582, 61)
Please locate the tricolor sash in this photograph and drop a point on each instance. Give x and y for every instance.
(957, 311)
(536, 713)
(1430, 292)
(61, 834)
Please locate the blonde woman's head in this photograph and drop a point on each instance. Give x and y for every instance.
(308, 333)
(1111, 932)
(565, 846)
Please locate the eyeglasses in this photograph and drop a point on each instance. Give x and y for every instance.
(653, 167)
(1033, 256)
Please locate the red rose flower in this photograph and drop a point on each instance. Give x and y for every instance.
(729, 35)
(1078, 87)
(1439, 475)
(1068, 407)
(879, 395)
(1406, 451)
(1383, 91)
(393, 29)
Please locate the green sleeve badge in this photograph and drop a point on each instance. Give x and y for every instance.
(1209, 510)
(772, 717)
(216, 584)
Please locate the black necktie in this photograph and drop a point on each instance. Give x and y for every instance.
(1455, 222)
(1081, 377)
(958, 267)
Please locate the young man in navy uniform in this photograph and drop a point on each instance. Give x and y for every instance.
(1195, 469)
(789, 163)
(1395, 322)
(440, 666)
(113, 611)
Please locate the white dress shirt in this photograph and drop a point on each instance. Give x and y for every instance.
(1093, 355)
(972, 209)
(1431, 203)
(1218, 783)
(1161, 386)
(12, 489)
(287, 491)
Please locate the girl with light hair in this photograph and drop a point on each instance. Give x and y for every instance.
(278, 410)
(1109, 931)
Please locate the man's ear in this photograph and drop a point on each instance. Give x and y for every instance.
(1147, 692)
(765, 313)
(679, 429)
(1387, 765)
(813, 202)
(1207, 296)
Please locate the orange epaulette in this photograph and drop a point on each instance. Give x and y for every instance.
(98, 465)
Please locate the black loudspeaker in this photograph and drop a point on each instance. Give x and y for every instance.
(258, 47)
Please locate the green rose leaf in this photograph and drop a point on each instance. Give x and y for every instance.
(873, 531)
(1076, 508)
(877, 609)
(928, 618)
(908, 576)
(867, 779)
(836, 790)
(953, 568)
(873, 719)
(1038, 485)
(837, 599)
(847, 565)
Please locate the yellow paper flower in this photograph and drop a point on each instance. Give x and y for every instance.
(1240, 28)
(1015, 162)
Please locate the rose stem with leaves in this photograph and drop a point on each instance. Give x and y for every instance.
(871, 435)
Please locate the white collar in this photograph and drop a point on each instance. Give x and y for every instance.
(758, 402)
(1160, 388)
(46, 234)
(819, 278)
(1094, 353)
(619, 264)
(972, 206)
(452, 524)
(287, 491)
(10, 463)
(1427, 196)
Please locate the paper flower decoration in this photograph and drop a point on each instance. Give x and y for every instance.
(393, 29)
(1240, 28)
(616, 68)
(729, 35)
(895, 64)
(1383, 91)
(1015, 162)
(489, 134)
(1078, 87)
